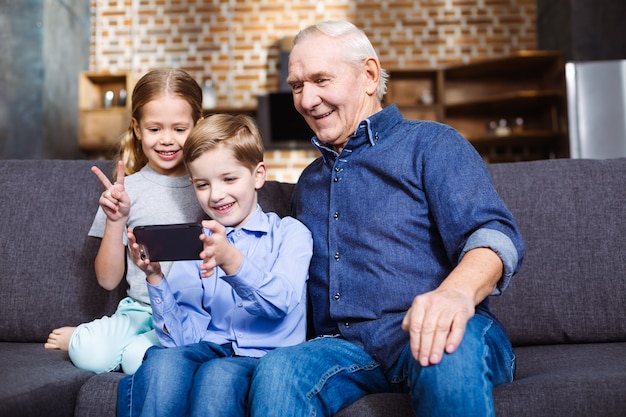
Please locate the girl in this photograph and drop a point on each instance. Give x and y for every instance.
(166, 104)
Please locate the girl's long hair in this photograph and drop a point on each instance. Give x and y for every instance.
(150, 87)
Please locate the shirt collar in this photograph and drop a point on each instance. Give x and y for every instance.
(368, 132)
(257, 223)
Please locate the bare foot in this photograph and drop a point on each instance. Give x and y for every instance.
(60, 338)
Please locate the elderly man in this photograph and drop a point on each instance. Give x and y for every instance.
(410, 238)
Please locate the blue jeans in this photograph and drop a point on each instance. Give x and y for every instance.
(203, 379)
(324, 375)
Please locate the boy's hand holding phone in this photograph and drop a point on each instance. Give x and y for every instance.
(176, 242)
(218, 251)
(151, 269)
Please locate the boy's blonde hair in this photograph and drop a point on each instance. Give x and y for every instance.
(152, 86)
(239, 133)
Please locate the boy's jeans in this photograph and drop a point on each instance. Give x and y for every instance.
(324, 375)
(203, 379)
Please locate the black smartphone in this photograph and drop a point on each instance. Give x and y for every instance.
(170, 242)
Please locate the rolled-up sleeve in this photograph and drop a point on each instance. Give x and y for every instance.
(503, 246)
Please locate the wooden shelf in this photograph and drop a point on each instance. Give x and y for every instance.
(524, 146)
(525, 136)
(417, 87)
(528, 86)
(518, 64)
(102, 121)
(520, 101)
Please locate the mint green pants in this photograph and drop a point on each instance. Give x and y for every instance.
(115, 342)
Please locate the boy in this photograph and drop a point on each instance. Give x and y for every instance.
(217, 316)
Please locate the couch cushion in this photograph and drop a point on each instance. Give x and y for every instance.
(572, 282)
(380, 405)
(561, 380)
(98, 396)
(576, 380)
(37, 381)
(46, 269)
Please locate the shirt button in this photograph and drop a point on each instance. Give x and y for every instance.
(335, 215)
(157, 300)
(346, 324)
(239, 304)
(337, 296)
(239, 335)
(335, 179)
(337, 256)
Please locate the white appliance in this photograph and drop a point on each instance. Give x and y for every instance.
(596, 103)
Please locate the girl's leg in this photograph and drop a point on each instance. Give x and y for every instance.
(315, 378)
(220, 387)
(136, 349)
(98, 345)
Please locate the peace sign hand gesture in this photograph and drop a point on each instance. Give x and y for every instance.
(114, 201)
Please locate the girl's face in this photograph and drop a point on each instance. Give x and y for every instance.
(162, 129)
(224, 187)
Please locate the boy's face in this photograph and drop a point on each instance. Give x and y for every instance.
(224, 187)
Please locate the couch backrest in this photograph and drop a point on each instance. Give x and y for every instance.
(46, 265)
(572, 284)
(46, 260)
(571, 288)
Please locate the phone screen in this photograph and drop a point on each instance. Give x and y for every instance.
(170, 242)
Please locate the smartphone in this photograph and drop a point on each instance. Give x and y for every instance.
(170, 242)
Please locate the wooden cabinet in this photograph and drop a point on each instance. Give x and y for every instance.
(417, 93)
(104, 110)
(511, 108)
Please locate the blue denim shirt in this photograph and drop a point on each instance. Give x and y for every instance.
(391, 216)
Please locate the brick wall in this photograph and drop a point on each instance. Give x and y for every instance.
(237, 42)
(286, 165)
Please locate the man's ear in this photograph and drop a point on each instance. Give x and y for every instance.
(372, 73)
(259, 175)
(136, 129)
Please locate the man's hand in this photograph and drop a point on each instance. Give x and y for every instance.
(436, 322)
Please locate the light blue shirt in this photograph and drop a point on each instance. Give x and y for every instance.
(259, 308)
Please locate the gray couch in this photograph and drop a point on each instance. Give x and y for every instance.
(565, 311)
